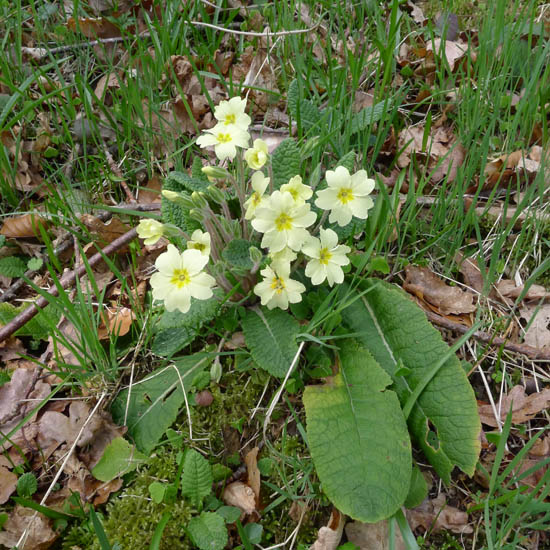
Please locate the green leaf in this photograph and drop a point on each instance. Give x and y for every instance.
(157, 491)
(155, 401)
(27, 485)
(230, 514)
(302, 110)
(39, 327)
(444, 421)
(418, 489)
(196, 480)
(34, 264)
(348, 161)
(237, 254)
(12, 266)
(286, 162)
(188, 183)
(271, 338)
(208, 531)
(366, 117)
(254, 532)
(119, 458)
(196, 171)
(175, 329)
(358, 438)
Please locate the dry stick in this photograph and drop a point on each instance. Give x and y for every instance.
(67, 280)
(485, 337)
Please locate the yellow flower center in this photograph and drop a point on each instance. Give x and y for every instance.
(345, 194)
(278, 285)
(283, 222)
(223, 138)
(180, 278)
(294, 193)
(229, 119)
(324, 256)
(256, 198)
(197, 246)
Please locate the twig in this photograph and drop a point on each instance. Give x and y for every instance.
(65, 281)
(250, 33)
(485, 337)
(115, 169)
(41, 53)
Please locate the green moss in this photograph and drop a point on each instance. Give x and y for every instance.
(131, 517)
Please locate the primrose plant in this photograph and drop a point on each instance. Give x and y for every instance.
(291, 234)
(252, 228)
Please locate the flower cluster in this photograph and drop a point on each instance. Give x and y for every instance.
(289, 229)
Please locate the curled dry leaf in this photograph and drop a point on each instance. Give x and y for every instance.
(240, 495)
(328, 537)
(443, 154)
(24, 226)
(427, 286)
(116, 323)
(373, 536)
(473, 277)
(436, 515)
(508, 289)
(106, 232)
(524, 407)
(8, 483)
(40, 534)
(251, 461)
(538, 453)
(97, 27)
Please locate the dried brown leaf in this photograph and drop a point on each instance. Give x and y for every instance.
(116, 323)
(524, 407)
(454, 51)
(94, 28)
(435, 515)
(328, 537)
(23, 226)
(240, 495)
(251, 461)
(538, 319)
(8, 483)
(426, 285)
(39, 530)
(373, 536)
(151, 192)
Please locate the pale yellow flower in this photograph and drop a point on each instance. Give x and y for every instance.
(232, 113)
(180, 278)
(278, 289)
(259, 184)
(256, 157)
(150, 230)
(300, 192)
(283, 223)
(327, 258)
(280, 261)
(346, 195)
(200, 241)
(225, 140)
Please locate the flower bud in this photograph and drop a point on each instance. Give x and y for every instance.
(181, 199)
(196, 214)
(212, 192)
(199, 199)
(231, 227)
(256, 255)
(215, 172)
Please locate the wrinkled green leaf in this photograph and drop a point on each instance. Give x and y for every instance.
(302, 110)
(208, 531)
(236, 253)
(271, 338)
(12, 266)
(366, 117)
(39, 327)
(358, 438)
(444, 421)
(196, 480)
(286, 162)
(119, 458)
(175, 329)
(156, 400)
